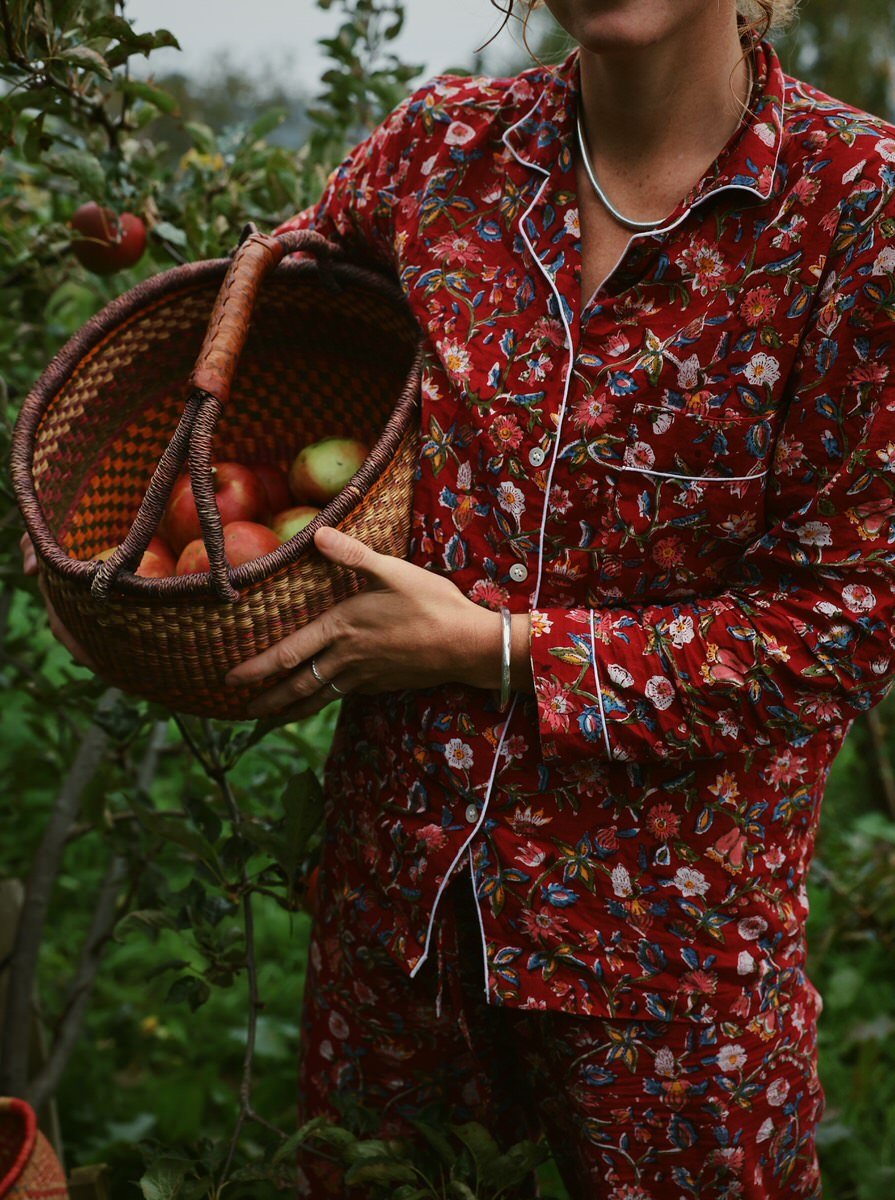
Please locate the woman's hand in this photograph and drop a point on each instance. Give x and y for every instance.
(409, 628)
(58, 630)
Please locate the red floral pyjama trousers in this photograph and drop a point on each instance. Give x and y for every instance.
(632, 1110)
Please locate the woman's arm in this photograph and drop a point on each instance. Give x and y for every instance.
(356, 205)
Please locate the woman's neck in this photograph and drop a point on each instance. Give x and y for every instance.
(670, 101)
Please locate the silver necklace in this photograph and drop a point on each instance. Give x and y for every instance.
(628, 222)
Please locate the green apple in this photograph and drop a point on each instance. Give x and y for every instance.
(290, 521)
(322, 470)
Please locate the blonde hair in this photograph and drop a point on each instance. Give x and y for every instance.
(767, 15)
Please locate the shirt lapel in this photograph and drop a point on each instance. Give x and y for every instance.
(542, 203)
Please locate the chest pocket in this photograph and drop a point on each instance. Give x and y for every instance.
(684, 493)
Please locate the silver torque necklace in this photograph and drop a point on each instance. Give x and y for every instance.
(628, 222)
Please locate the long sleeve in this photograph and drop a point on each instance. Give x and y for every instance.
(357, 202)
(800, 640)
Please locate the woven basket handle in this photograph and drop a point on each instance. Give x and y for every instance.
(228, 325)
(215, 369)
(210, 382)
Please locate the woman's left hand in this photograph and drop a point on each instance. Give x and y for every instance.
(408, 628)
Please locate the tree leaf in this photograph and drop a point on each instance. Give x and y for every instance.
(169, 233)
(163, 1181)
(383, 1171)
(302, 803)
(190, 988)
(82, 166)
(87, 59)
(265, 124)
(482, 1146)
(158, 97)
(202, 135)
(436, 1140)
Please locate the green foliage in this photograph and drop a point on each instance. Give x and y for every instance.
(845, 51)
(851, 941)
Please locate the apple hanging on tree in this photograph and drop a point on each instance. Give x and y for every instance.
(108, 242)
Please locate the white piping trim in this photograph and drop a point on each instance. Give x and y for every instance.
(449, 872)
(593, 650)
(468, 842)
(512, 129)
(478, 913)
(671, 475)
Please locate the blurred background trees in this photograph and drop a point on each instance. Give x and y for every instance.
(122, 821)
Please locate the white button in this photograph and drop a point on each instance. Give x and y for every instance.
(518, 572)
(472, 814)
(536, 456)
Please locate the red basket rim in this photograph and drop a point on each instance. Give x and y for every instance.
(25, 1114)
(120, 311)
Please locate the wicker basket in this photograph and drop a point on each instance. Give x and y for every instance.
(323, 346)
(29, 1168)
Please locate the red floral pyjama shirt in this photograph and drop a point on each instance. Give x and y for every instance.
(688, 482)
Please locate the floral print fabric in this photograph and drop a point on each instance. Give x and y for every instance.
(687, 480)
(633, 1110)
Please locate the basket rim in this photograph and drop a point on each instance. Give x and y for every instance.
(121, 310)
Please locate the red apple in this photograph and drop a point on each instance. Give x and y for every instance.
(238, 492)
(243, 542)
(322, 470)
(290, 521)
(108, 242)
(157, 561)
(275, 482)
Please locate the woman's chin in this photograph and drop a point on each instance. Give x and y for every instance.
(617, 26)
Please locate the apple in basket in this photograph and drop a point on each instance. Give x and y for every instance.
(320, 471)
(275, 482)
(290, 521)
(243, 542)
(157, 561)
(238, 493)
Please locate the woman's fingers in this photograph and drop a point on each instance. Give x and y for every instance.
(29, 557)
(303, 693)
(61, 634)
(58, 630)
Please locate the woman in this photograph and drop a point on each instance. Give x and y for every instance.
(658, 429)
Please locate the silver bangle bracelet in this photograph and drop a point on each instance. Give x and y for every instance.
(506, 650)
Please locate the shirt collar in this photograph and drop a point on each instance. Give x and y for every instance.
(544, 136)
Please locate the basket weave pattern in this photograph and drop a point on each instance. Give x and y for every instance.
(318, 361)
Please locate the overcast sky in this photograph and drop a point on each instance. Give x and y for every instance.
(280, 36)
